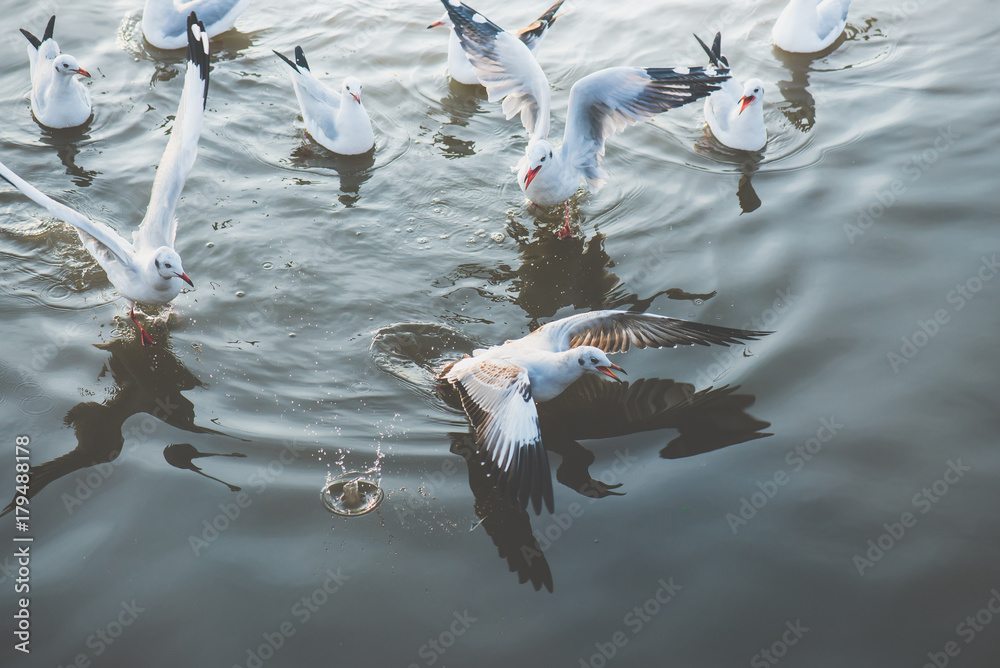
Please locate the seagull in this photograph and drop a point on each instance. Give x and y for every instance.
(600, 104)
(499, 386)
(339, 123)
(164, 22)
(148, 270)
(58, 98)
(808, 26)
(459, 66)
(735, 113)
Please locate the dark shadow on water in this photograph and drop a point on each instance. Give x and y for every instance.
(182, 456)
(147, 379)
(353, 170)
(65, 141)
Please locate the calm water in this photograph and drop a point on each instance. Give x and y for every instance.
(326, 288)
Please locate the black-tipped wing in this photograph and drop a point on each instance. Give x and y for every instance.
(532, 34)
(610, 100)
(617, 331)
(505, 67)
(159, 227)
(496, 395)
(715, 53)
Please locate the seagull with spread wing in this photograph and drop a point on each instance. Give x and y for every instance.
(164, 22)
(499, 386)
(735, 112)
(58, 98)
(459, 67)
(600, 104)
(148, 270)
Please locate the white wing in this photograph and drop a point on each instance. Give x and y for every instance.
(532, 34)
(505, 67)
(164, 22)
(616, 331)
(832, 15)
(159, 227)
(609, 100)
(318, 103)
(496, 395)
(107, 244)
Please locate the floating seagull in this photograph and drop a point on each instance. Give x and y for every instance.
(808, 26)
(459, 66)
(58, 98)
(600, 104)
(340, 123)
(148, 270)
(735, 113)
(164, 22)
(500, 385)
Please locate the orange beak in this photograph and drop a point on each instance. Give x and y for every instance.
(357, 98)
(82, 72)
(436, 24)
(531, 175)
(746, 100)
(184, 277)
(608, 372)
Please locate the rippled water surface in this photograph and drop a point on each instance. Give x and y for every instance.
(825, 497)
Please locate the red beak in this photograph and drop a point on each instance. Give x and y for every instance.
(436, 24)
(531, 175)
(608, 372)
(746, 100)
(357, 98)
(184, 277)
(83, 72)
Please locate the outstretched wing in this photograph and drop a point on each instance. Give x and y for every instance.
(496, 395)
(318, 103)
(505, 67)
(532, 34)
(107, 245)
(617, 331)
(610, 100)
(159, 227)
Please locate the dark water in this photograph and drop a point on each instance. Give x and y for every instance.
(827, 495)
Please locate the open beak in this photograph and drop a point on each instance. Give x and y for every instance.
(607, 371)
(436, 24)
(531, 175)
(184, 277)
(746, 100)
(83, 72)
(357, 98)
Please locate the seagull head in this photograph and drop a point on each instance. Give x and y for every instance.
(753, 92)
(443, 21)
(595, 360)
(538, 154)
(352, 87)
(168, 265)
(67, 65)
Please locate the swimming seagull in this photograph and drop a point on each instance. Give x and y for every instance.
(459, 66)
(148, 270)
(164, 22)
(58, 98)
(735, 113)
(499, 386)
(600, 104)
(338, 122)
(808, 26)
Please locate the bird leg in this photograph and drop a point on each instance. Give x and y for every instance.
(144, 335)
(564, 232)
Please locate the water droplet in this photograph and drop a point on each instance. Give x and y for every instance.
(351, 494)
(241, 294)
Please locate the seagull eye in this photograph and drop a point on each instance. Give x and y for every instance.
(580, 361)
(168, 266)
(157, 263)
(593, 360)
(543, 159)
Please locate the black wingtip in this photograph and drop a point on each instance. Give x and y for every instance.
(285, 58)
(49, 28)
(198, 50)
(35, 42)
(300, 58)
(715, 52)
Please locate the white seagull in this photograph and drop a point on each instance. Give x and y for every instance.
(58, 98)
(148, 270)
(459, 66)
(164, 22)
(808, 26)
(600, 104)
(499, 386)
(735, 113)
(338, 122)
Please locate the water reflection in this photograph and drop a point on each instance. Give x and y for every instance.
(182, 456)
(65, 141)
(704, 420)
(147, 379)
(800, 106)
(353, 170)
(461, 104)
